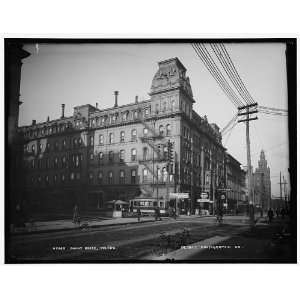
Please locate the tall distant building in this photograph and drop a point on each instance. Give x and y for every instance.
(262, 182)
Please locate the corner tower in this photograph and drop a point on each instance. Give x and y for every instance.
(171, 89)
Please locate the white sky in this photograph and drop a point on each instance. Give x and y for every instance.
(81, 74)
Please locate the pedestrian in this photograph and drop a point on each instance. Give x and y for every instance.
(76, 217)
(174, 213)
(157, 214)
(270, 215)
(138, 214)
(282, 212)
(277, 212)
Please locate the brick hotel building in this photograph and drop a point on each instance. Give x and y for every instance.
(97, 155)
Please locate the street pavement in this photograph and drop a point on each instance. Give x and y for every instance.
(107, 240)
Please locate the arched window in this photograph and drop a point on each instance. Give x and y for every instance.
(63, 161)
(165, 152)
(133, 154)
(122, 136)
(110, 177)
(164, 106)
(145, 131)
(91, 141)
(122, 176)
(101, 139)
(133, 135)
(157, 108)
(159, 175)
(122, 156)
(164, 174)
(168, 129)
(100, 177)
(161, 130)
(133, 176)
(145, 153)
(111, 138)
(91, 177)
(111, 156)
(173, 105)
(101, 157)
(124, 116)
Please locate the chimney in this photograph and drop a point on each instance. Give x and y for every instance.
(116, 98)
(33, 122)
(48, 119)
(62, 110)
(136, 99)
(97, 105)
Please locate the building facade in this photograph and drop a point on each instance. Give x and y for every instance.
(236, 183)
(262, 183)
(98, 155)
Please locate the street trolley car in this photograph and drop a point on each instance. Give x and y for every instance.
(147, 205)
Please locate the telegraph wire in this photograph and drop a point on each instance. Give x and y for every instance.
(223, 131)
(227, 68)
(217, 75)
(223, 78)
(230, 132)
(236, 72)
(213, 72)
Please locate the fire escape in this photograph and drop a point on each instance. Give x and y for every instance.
(158, 143)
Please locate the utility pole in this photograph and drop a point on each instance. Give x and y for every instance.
(284, 191)
(250, 109)
(280, 183)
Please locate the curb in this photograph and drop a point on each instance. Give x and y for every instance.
(76, 228)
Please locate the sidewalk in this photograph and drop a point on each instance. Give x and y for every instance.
(67, 224)
(61, 225)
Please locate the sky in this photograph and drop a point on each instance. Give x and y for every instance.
(86, 74)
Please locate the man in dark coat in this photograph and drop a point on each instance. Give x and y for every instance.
(270, 215)
(138, 214)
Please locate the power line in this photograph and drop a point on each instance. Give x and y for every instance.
(227, 68)
(236, 72)
(201, 51)
(223, 78)
(230, 132)
(229, 123)
(214, 73)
